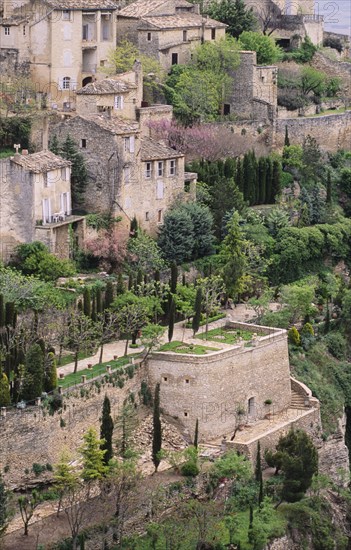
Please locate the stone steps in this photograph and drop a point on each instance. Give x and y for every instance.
(297, 401)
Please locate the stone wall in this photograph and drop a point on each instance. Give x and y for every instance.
(332, 132)
(339, 69)
(32, 435)
(214, 387)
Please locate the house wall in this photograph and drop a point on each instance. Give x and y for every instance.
(155, 113)
(56, 186)
(223, 381)
(92, 104)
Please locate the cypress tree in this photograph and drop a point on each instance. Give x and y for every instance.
(258, 473)
(93, 310)
(174, 277)
(139, 279)
(130, 282)
(80, 305)
(230, 168)
(34, 373)
(50, 382)
(269, 179)
(239, 175)
(329, 190)
(157, 430)
(108, 295)
(183, 279)
(171, 319)
(157, 276)
(286, 140)
(120, 284)
(134, 227)
(98, 300)
(106, 430)
(196, 435)
(262, 170)
(2, 311)
(276, 180)
(5, 399)
(198, 307)
(87, 302)
(249, 176)
(9, 314)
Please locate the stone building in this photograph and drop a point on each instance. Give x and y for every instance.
(65, 43)
(167, 29)
(35, 203)
(254, 90)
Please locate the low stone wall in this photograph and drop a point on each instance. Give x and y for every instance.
(33, 435)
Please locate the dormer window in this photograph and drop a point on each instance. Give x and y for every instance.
(66, 15)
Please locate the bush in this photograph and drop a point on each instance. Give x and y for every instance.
(333, 42)
(294, 336)
(190, 469)
(291, 99)
(336, 345)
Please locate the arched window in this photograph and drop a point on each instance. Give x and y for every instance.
(66, 83)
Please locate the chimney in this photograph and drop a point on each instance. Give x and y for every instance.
(25, 152)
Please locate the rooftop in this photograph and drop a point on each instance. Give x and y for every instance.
(180, 20)
(106, 86)
(140, 8)
(113, 125)
(153, 150)
(82, 4)
(44, 161)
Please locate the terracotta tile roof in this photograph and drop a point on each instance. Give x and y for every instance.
(153, 150)
(82, 4)
(114, 125)
(44, 161)
(180, 20)
(140, 8)
(106, 86)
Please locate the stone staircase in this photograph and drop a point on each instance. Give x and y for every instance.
(297, 400)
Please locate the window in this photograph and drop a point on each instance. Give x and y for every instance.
(174, 59)
(66, 83)
(129, 144)
(126, 171)
(147, 216)
(83, 143)
(64, 174)
(7, 31)
(149, 36)
(226, 109)
(159, 190)
(187, 381)
(148, 170)
(85, 31)
(160, 169)
(45, 178)
(24, 30)
(159, 216)
(118, 102)
(213, 34)
(172, 167)
(66, 15)
(251, 406)
(165, 378)
(185, 36)
(185, 413)
(105, 28)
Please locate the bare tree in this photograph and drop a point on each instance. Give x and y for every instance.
(82, 334)
(107, 329)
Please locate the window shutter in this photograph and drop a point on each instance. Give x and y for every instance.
(132, 144)
(60, 83)
(122, 101)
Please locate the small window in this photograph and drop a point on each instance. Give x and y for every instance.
(102, 62)
(187, 381)
(213, 34)
(129, 144)
(148, 170)
(160, 169)
(7, 31)
(83, 143)
(251, 406)
(147, 216)
(172, 167)
(66, 83)
(165, 378)
(149, 36)
(159, 216)
(185, 36)
(226, 109)
(24, 30)
(118, 102)
(174, 59)
(185, 413)
(66, 15)
(63, 174)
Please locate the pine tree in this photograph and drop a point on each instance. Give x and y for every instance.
(106, 430)
(157, 431)
(87, 302)
(198, 308)
(94, 467)
(286, 140)
(109, 295)
(79, 174)
(5, 399)
(196, 435)
(171, 319)
(174, 277)
(34, 373)
(54, 145)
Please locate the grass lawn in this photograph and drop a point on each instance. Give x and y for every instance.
(67, 359)
(182, 347)
(97, 370)
(226, 335)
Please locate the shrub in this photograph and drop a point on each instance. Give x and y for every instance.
(336, 345)
(190, 469)
(38, 469)
(307, 330)
(333, 42)
(294, 336)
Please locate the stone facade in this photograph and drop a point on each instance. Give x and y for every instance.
(213, 388)
(35, 202)
(167, 29)
(66, 43)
